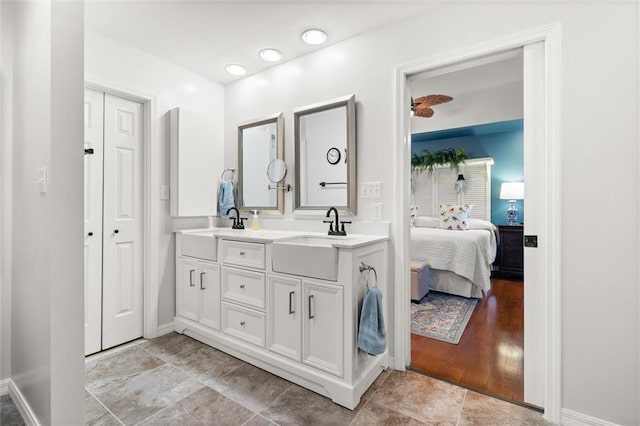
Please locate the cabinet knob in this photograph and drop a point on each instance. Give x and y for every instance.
(90, 234)
(241, 253)
(242, 323)
(241, 285)
(115, 231)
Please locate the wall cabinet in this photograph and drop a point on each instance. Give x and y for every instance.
(195, 164)
(303, 329)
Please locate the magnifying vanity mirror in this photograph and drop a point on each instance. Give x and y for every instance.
(260, 153)
(325, 146)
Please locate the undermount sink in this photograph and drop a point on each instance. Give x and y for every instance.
(313, 257)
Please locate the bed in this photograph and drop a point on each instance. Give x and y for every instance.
(460, 261)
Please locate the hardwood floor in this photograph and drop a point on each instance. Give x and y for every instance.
(490, 355)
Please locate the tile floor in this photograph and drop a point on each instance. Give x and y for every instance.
(175, 380)
(9, 414)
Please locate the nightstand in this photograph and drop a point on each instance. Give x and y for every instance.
(510, 257)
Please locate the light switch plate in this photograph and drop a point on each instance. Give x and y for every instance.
(370, 190)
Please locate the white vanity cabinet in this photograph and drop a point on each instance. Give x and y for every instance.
(198, 291)
(323, 327)
(198, 282)
(301, 328)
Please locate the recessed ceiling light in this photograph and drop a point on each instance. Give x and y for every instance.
(236, 69)
(270, 55)
(314, 36)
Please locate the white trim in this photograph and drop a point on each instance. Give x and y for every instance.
(573, 418)
(23, 406)
(550, 35)
(152, 208)
(165, 329)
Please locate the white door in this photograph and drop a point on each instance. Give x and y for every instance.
(323, 327)
(122, 289)
(209, 300)
(93, 140)
(284, 317)
(535, 266)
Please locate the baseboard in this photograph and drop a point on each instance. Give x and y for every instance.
(165, 329)
(573, 418)
(25, 410)
(4, 386)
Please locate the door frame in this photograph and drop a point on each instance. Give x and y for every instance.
(551, 312)
(151, 206)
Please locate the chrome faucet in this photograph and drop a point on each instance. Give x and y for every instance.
(339, 230)
(238, 222)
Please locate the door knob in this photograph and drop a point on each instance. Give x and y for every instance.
(90, 234)
(115, 231)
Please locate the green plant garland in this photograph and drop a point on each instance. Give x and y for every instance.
(430, 159)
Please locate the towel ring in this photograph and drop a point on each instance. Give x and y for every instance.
(369, 268)
(232, 170)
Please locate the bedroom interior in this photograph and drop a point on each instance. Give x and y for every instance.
(467, 314)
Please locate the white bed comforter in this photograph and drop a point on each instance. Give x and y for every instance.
(467, 253)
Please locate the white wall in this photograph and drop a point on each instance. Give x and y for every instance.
(119, 66)
(46, 248)
(600, 371)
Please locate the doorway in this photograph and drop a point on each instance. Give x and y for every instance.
(113, 220)
(541, 115)
(484, 313)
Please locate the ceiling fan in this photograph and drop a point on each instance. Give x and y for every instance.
(421, 107)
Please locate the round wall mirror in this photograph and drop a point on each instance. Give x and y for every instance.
(276, 170)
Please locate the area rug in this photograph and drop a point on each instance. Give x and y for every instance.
(442, 316)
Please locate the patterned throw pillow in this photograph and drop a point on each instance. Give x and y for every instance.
(455, 217)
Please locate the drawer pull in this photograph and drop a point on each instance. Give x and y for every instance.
(202, 287)
(241, 253)
(291, 311)
(242, 323)
(191, 283)
(311, 316)
(242, 285)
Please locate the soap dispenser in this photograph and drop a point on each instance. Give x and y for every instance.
(255, 223)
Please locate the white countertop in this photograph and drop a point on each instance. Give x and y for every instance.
(270, 236)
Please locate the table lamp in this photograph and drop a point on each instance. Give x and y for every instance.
(512, 191)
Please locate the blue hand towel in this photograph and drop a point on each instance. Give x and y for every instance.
(226, 199)
(372, 337)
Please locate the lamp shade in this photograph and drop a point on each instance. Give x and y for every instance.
(512, 191)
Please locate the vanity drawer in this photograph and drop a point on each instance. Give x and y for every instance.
(243, 323)
(245, 287)
(243, 253)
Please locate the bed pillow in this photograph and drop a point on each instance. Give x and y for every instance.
(427, 222)
(455, 217)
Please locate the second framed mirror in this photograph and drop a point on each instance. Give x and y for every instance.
(260, 142)
(325, 146)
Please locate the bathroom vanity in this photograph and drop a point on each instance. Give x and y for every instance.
(286, 302)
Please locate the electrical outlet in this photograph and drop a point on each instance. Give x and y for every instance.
(376, 211)
(370, 190)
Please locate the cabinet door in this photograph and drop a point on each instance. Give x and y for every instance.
(284, 335)
(187, 289)
(323, 327)
(209, 303)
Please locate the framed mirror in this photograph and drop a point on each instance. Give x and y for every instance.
(325, 153)
(259, 143)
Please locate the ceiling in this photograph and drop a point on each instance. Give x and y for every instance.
(205, 36)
